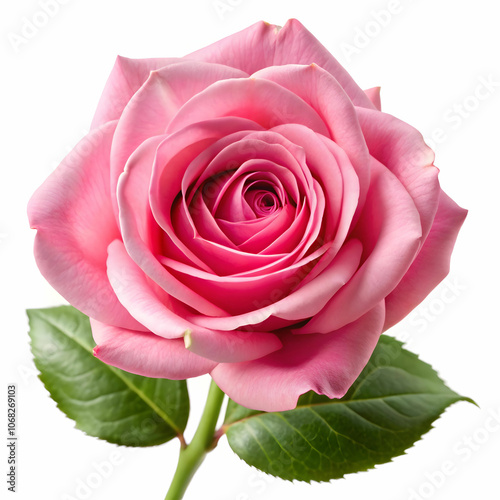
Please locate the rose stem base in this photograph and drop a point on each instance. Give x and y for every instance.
(192, 455)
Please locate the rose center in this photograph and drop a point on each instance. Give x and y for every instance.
(262, 199)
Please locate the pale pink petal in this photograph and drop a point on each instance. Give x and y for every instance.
(390, 231)
(248, 50)
(126, 77)
(324, 363)
(374, 96)
(232, 347)
(75, 223)
(146, 354)
(431, 265)
(140, 297)
(296, 45)
(262, 45)
(261, 101)
(401, 148)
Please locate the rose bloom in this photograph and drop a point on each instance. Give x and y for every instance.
(245, 211)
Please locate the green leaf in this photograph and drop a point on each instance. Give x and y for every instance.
(104, 401)
(390, 406)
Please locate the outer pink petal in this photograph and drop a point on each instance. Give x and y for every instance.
(249, 50)
(126, 77)
(390, 231)
(374, 96)
(262, 45)
(431, 265)
(74, 218)
(139, 296)
(401, 148)
(146, 354)
(327, 364)
(232, 347)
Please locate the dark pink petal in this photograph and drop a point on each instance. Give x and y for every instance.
(302, 303)
(231, 151)
(153, 106)
(262, 45)
(431, 265)
(147, 354)
(324, 363)
(174, 160)
(332, 168)
(198, 217)
(137, 226)
(75, 223)
(156, 311)
(281, 233)
(126, 77)
(170, 172)
(247, 293)
(390, 231)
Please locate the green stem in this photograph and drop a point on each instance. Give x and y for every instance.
(192, 455)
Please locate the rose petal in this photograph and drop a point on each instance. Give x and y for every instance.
(390, 231)
(125, 79)
(262, 45)
(305, 301)
(327, 364)
(177, 151)
(136, 221)
(146, 354)
(323, 93)
(261, 101)
(139, 296)
(401, 148)
(374, 95)
(75, 223)
(333, 169)
(153, 106)
(156, 311)
(247, 293)
(431, 265)
(232, 347)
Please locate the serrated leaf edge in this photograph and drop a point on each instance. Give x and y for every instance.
(112, 369)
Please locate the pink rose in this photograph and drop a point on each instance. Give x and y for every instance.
(245, 211)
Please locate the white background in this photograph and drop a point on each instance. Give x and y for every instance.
(429, 59)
